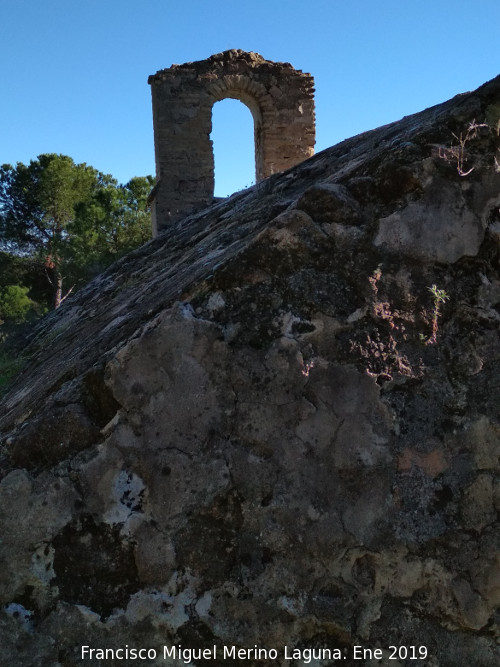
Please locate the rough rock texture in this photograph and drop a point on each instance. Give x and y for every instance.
(280, 98)
(277, 423)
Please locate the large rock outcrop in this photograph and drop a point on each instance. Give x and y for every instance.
(277, 424)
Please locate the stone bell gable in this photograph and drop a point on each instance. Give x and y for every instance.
(280, 98)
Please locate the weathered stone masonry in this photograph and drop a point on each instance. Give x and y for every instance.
(280, 98)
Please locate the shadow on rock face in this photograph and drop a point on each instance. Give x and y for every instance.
(94, 567)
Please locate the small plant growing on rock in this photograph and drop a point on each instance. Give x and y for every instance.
(379, 347)
(439, 296)
(457, 153)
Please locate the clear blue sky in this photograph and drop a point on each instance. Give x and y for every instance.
(74, 74)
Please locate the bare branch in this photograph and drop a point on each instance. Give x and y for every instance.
(67, 294)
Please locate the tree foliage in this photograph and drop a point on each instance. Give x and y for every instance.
(64, 222)
(110, 223)
(15, 303)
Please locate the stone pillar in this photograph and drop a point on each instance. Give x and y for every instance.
(280, 98)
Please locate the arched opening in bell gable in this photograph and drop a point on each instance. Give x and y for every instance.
(233, 139)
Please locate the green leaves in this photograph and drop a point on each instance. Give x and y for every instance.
(15, 303)
(439, 295)
(72, 219)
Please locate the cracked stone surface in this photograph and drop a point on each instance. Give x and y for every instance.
(264, 427)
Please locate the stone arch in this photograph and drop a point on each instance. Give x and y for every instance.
(254, 96)
(280, 98)
(233, 132)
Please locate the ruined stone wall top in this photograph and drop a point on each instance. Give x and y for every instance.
(280, 98)
(235, 59)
